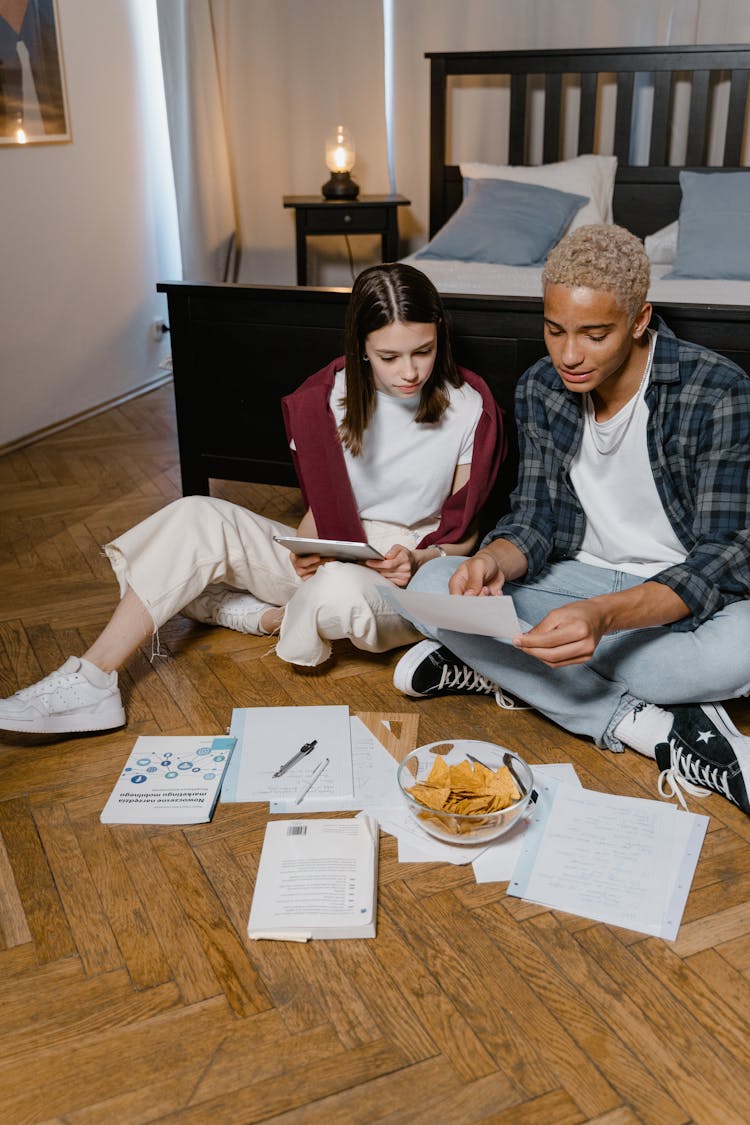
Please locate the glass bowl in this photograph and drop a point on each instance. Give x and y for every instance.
(464, 828)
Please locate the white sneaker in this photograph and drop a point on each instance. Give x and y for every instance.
(234, 609)
(64, 702)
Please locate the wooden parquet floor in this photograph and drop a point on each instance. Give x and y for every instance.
(128, 992)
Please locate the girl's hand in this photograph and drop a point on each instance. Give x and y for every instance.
(398, 565)
(306, 565)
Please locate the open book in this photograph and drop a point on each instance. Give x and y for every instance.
(316, 879)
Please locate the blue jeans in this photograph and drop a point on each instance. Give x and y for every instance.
(655, 665)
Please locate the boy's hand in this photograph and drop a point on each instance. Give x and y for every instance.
(479, 575)
(568, 635)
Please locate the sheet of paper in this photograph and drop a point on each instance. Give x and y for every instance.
(497, 863)
(267, 737)
(488, 616)
(625, 861)
(316, 878)
(412, 841)
(374, 770)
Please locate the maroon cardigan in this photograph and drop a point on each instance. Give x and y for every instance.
(321, 470)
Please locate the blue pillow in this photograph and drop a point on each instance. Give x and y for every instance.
(714, 227)
(515, 224)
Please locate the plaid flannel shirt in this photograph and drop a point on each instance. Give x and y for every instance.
(699, 446)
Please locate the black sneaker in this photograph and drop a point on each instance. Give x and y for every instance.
(429, 668)
(705, 753)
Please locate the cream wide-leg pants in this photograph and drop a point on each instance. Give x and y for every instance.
(170, 558)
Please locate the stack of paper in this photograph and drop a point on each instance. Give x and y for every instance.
(621, 860)
(268, 738)
(363, 751)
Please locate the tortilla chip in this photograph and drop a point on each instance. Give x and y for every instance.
(439, 774)
(432, 796)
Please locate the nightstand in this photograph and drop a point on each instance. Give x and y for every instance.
(368, 214)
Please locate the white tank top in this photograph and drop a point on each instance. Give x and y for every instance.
(626, 525)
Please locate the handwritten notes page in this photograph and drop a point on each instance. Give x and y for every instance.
(497, 863)
(621, 860)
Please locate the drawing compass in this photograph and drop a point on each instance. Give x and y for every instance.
(301, 753)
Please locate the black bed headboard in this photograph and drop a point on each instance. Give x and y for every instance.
(646, 197)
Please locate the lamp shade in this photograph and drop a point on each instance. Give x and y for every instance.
(340, 161)
(340, 150)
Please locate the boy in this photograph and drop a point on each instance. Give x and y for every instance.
(627, 547)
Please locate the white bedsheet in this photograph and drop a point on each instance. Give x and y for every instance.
(525, 281)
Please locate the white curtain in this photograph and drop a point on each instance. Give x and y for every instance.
(255, 87)
(206, 210)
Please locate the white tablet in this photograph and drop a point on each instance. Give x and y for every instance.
(328, 548)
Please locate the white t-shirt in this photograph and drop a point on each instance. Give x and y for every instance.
(613, 479)
(405, 471)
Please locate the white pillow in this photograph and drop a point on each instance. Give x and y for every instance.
(661, 246)
(592, 176)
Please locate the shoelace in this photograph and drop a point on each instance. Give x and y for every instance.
(46, 686)
(464, 678)
(684, 771)
(508, 703)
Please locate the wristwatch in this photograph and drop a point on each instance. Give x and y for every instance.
(440, 550)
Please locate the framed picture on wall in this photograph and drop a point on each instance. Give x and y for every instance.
(33, 106)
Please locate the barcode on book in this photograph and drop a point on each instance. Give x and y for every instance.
(297, 830)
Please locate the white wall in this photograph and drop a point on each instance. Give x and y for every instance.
(85, 232)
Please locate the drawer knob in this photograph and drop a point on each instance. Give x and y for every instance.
(347, 218)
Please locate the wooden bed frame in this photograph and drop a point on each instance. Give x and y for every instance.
(237, 349)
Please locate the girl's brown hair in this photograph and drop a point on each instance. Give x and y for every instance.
(393, 293)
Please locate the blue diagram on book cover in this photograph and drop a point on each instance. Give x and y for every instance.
(169, 765)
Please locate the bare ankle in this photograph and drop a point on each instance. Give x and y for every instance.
(270, 621)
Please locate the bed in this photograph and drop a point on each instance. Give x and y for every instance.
(237, 349)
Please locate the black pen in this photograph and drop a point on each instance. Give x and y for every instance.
(301, 753)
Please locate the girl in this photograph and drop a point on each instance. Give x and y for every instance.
(392, 444)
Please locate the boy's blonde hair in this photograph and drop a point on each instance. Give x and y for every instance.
(602, 256)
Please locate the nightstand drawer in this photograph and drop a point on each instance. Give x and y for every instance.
(335, 219)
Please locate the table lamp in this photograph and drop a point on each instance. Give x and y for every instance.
(340, 161)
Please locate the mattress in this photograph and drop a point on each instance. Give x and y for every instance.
(525, 281)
